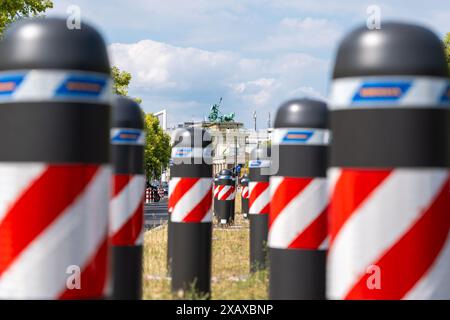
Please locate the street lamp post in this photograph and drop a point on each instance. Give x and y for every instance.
(256, 132)
(235, 151)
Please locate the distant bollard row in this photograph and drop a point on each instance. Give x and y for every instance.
(57, 218)
(359, 205)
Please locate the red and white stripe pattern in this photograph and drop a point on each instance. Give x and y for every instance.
(126, 223)
(216, 189)
(161, 192)
(224, 192)
(259, 201)
(298, 213)
(245, 192)
(53, 217)
(396, 220)
(148, 195)
(190, 200)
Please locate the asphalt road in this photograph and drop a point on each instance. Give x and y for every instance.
(155, 213)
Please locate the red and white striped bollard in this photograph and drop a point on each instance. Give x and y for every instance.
(389, 176)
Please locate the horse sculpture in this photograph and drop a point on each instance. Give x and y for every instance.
(216, 116)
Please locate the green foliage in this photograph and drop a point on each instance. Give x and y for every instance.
(157, 147)
(121, 81)
(447, 49)
(12, 10)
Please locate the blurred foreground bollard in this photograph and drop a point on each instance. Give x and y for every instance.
(259, 206)
(299, 202)
(126, 222)
(55, 175)
(224, 194)
(245, 195)
(389, 175)
(191, 213)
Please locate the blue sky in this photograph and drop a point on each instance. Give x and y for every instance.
(184, 55)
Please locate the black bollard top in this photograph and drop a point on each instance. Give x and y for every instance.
(298, 113)
(245, 179)
(49, 44)
(225, 174)
(191, 137)
(126, 113)
(395, 49)
(191, 153)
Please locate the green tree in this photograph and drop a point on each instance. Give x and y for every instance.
(157, 147)
(447, 49)
(157, 142)
(12, 10)
(122, 80)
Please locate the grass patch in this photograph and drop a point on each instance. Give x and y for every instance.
(230, 264)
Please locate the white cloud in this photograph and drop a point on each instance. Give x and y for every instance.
(292, 33)
(157, 65)
(308, 92)
(305, 24)
(259, 92)
(260, 27)
(166, 75)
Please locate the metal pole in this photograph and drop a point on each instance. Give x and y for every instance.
(256, 132)
(235, 153)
